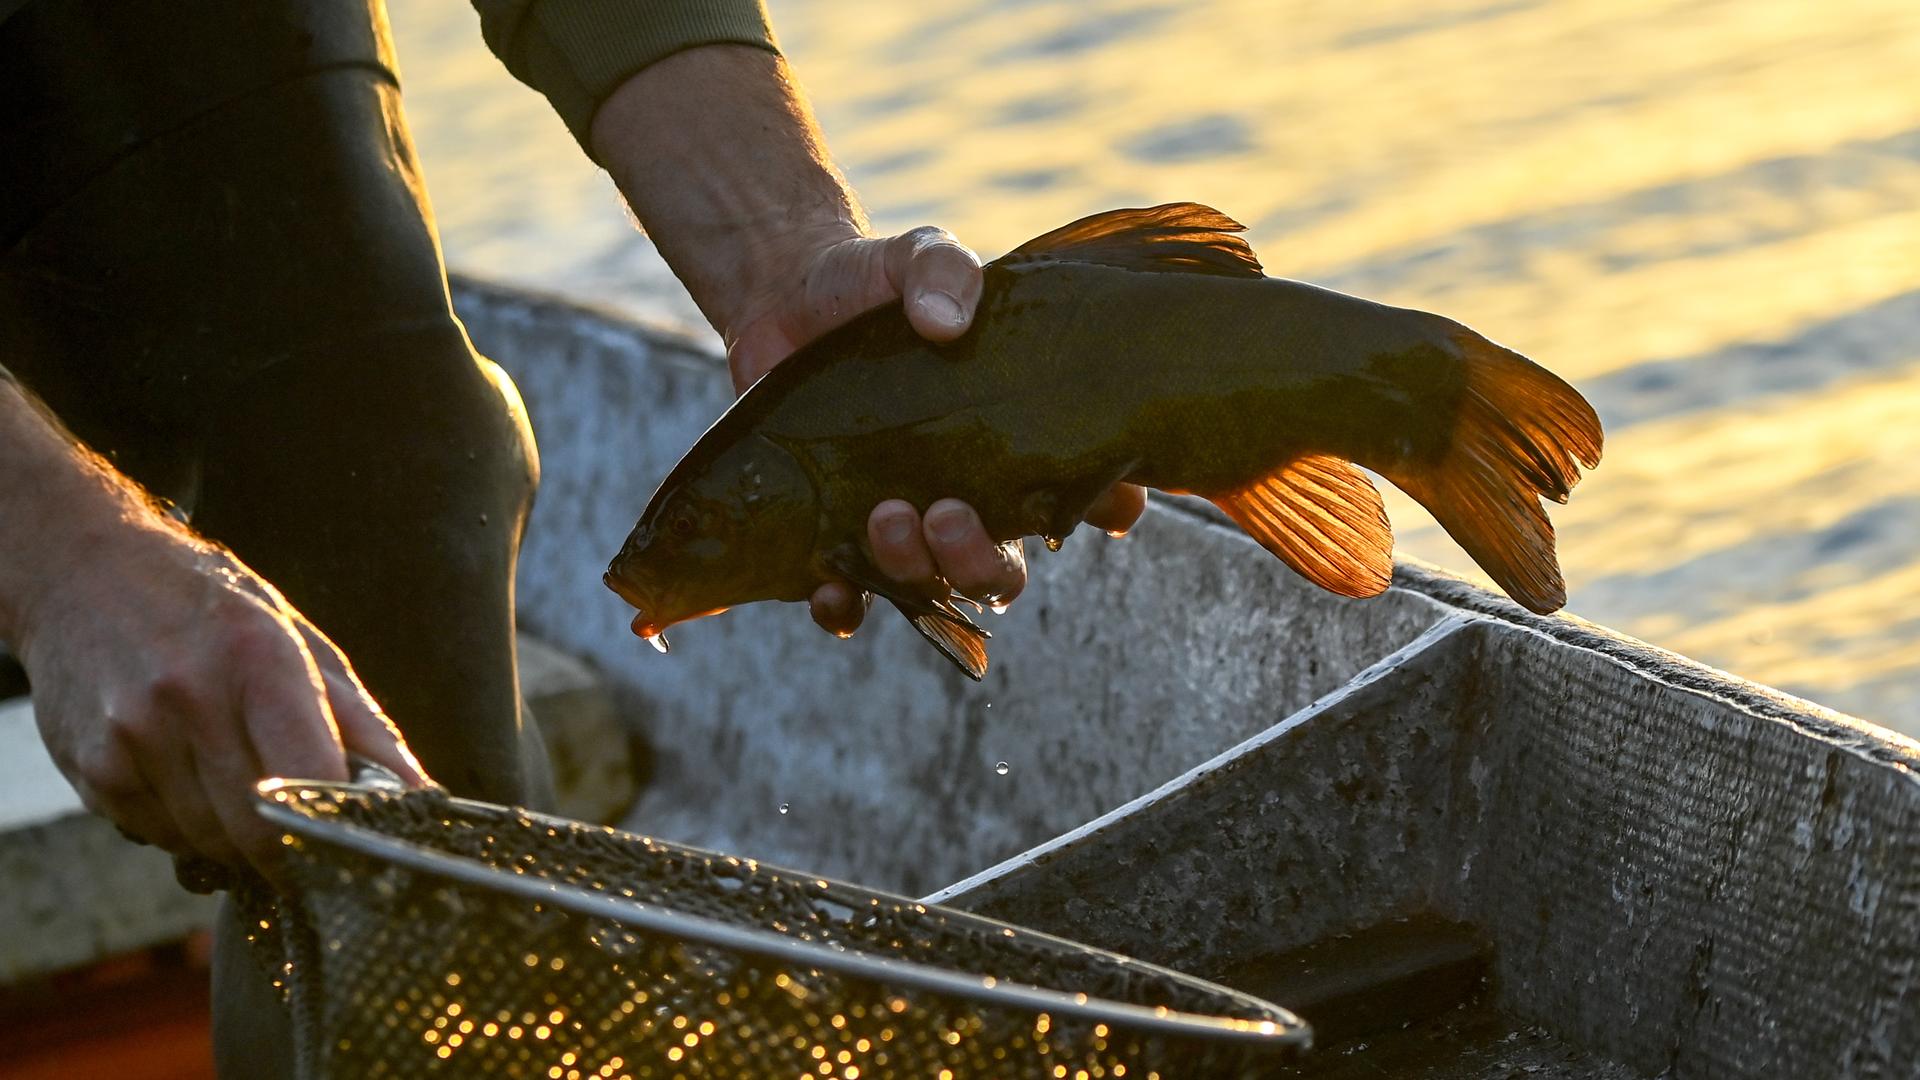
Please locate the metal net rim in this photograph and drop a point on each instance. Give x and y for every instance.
(274, 798)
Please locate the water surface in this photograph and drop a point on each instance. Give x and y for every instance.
(1706, 213)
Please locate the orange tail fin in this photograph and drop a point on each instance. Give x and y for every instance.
(1520, 433)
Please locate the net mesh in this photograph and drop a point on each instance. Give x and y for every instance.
(396, 968)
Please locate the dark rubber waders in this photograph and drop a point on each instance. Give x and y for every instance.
(218, 267)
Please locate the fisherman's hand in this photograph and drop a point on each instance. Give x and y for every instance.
(719, 158)
(939, 282)
(168, 679)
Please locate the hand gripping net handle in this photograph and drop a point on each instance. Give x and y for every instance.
(436, 936)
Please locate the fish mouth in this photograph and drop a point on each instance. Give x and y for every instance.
(651, 620)
(643, 625)
(627, 592)
(653, 628)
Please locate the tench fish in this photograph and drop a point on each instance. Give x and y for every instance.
(1144, 345)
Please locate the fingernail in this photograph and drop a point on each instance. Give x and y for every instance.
(942, 308)
(897, 529)
(948, 525)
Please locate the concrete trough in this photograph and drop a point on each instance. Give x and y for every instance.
(1660, 870)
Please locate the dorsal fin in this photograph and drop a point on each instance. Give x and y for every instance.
(1183, 237)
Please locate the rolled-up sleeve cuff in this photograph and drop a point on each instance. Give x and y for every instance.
(577, 52)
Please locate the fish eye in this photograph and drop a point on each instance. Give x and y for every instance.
(682, 525)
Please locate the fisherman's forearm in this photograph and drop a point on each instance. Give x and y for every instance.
(60, 505)
(577, 52)
(718, 155)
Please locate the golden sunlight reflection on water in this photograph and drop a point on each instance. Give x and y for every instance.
(1701, 212)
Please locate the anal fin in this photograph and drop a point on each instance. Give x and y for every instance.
(1321, 516)
(962, 641)
(938, 619)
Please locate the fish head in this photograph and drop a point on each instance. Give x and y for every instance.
(731, 528)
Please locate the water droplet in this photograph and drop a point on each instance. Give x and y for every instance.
(1116, 533)
(1054, 542)
(658, 641)
(1002, 768)
(997, 608)
(784, 808)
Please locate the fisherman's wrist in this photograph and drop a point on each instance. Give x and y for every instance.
(722, 165)
(79, 551)
(731, 259)
(80, 523)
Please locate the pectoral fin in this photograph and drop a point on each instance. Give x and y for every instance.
(1322, 517)
(958, 637)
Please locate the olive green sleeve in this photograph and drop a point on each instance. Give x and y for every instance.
(577, 52)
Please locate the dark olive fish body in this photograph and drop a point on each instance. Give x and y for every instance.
(1139, 345)
(1078, 376)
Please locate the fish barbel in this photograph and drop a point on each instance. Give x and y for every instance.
(1143, 345)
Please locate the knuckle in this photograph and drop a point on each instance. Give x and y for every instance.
(110, 779)
(137, 728)
(920, 236)
(947, 257)
(257, 641)
(175, 686)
